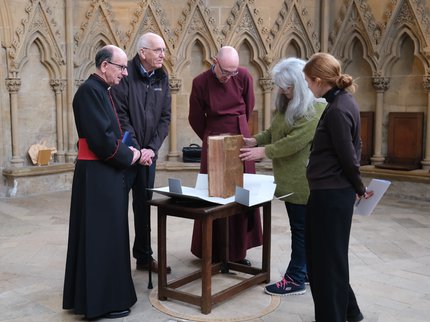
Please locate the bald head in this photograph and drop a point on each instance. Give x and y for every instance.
(228, 57)
(227, 63)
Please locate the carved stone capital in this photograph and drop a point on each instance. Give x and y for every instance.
(381, 84)
(426, 83)
(57, 85)
(13, 84)
(266, 84)
(175, 84)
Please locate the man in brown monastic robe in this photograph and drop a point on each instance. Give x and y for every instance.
(221, 101)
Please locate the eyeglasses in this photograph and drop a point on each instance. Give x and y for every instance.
(158, 51)
(226, 73)
(122, 67)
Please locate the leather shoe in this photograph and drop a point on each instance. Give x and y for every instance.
(154, 267)
(244, 262)
(117, 314)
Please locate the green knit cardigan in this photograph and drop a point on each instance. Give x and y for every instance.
(288, 147)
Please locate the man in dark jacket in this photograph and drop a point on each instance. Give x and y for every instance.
(143, 102)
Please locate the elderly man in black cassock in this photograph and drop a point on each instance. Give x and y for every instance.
(98, 280)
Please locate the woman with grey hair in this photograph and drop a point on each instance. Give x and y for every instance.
(287, 143)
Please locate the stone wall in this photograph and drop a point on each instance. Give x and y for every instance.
(48, 48)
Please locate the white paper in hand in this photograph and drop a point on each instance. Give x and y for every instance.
(365, 207)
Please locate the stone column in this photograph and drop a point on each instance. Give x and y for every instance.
(426, 162)
(13, 84)
(267, 86)
(175, 86)
(381, 84)
(324, 24)
(69, 124)
(58, 87)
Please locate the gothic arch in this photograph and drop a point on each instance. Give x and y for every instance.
(5, 20)
(255, 53)
(196, 19)
(346, 52)
(405, 18)
(299, 43)
(394, 55)
(99, 28)
(38, 28)
(359, 24)
(209, 50)
(47, 56)
(245, 24)
(150, 17)
(292, 23)
(86, 66)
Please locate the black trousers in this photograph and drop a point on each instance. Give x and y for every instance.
(328, 225)
(139, 178)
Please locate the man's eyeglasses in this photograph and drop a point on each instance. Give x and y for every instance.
(158, 51)
(226, 73)
(122, 67)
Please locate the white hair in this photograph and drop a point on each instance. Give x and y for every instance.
(289, 72)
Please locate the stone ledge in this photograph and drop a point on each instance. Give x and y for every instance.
(23, 181)
(31, 171)
(419, 176)
(33, 180)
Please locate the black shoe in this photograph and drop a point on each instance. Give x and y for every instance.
(154, 267)
(117, 314)
(244, 262)
(355, 318)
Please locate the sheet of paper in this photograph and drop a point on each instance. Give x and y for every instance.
(260, 188)
(365, 207)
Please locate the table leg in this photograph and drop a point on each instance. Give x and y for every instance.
(267, 231)
(206, 303)
(224, 245)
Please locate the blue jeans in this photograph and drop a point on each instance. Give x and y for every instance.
(297, 266)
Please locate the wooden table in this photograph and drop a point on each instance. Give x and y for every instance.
(207, 213)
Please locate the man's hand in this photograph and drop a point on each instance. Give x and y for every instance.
(147, 155)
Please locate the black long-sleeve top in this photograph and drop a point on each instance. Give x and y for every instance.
(334, 161)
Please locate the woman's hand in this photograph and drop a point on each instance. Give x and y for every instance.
(252, 154)
(367, 195)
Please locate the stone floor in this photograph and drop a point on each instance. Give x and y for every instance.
(389, 260)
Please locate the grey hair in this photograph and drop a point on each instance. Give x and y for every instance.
(145, 40)
(289, 72)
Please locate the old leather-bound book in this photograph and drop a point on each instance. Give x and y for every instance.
(225, 169)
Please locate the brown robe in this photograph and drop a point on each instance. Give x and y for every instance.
(217, 108)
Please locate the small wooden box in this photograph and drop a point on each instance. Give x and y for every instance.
(225, 169)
